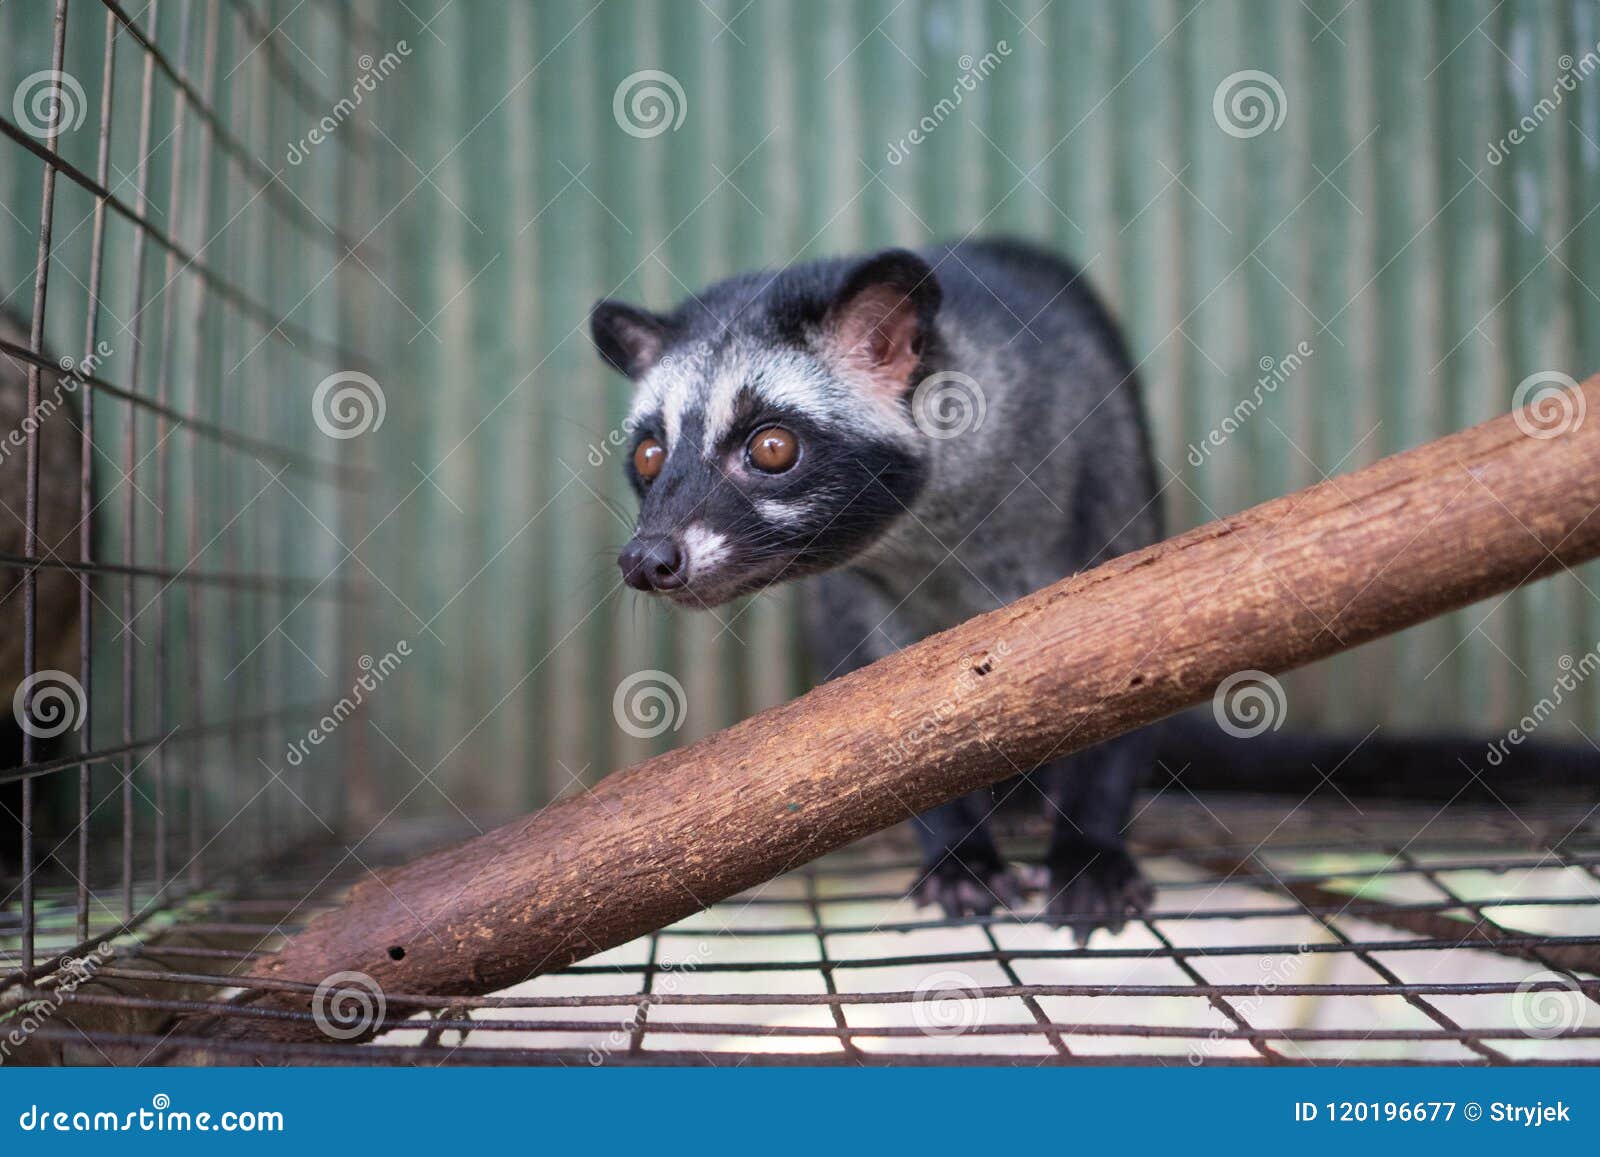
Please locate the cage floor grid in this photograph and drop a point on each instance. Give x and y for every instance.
(1278, 935)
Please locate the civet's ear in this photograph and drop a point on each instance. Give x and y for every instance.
(629, 338)
(879, 322)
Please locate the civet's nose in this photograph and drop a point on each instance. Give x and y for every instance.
(656, 564)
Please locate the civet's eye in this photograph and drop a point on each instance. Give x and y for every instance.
(649, 456)
(773, 450)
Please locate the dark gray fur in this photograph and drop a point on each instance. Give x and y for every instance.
(1057, 477)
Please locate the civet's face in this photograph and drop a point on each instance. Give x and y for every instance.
(776, 446)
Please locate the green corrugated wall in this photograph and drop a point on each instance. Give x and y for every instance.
(504, 197)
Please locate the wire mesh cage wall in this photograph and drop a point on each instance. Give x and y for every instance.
(309, 284)
(169, 511)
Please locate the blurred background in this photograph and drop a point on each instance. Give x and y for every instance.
(1316, 207)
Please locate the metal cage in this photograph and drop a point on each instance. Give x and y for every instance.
(201, 500)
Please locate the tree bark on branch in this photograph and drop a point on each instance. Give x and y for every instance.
(1277, 586)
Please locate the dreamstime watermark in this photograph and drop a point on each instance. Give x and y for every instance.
(68, 382)
(648, 103)
(948, 404)
(931, 722)
(666, 984)
(1248, 103)
(375, 671)
(49, 703)
(348, 1005)
(973, 72)
(621, 436)
(948, 1003)
(1548, 404)
(49, 103)
(1575, 672)
(373, 72)
(1274, 373)
(1548, 1004)
(74, 972)
(616, 439)
(1276, 970)
(1249, 703)
(160, 1117)
(1572, 72)
(347, 404)
(649, 703)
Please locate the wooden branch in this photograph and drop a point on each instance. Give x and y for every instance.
(1098, 654)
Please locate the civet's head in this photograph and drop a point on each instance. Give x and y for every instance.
(771, 430)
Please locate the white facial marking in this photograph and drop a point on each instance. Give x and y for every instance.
(705, 548)
(783, 379)
(690, 378)
(669, 387)
(782, 513)
(719, 403)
